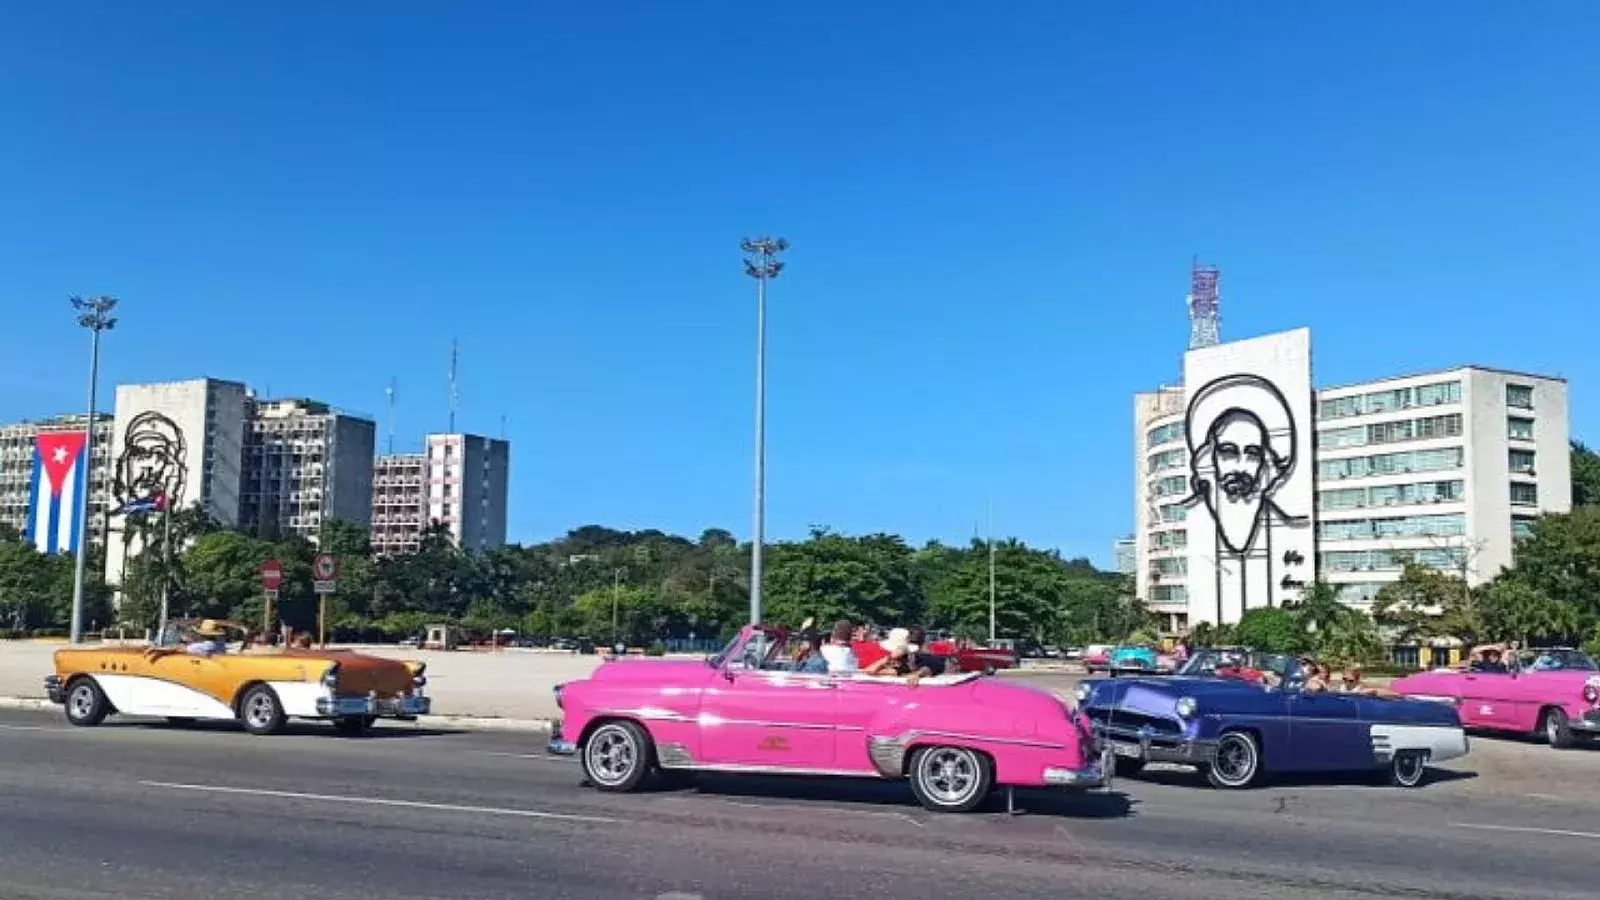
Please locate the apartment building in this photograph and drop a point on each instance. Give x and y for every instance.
(459, 480)
(399, 503)
(1446, 468)
(20, 465)
(304, 463)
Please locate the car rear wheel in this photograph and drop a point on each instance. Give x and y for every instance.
(988, 669)
(1557, 732)
(260, 712)
(86, 704)
(950, 779)
(617, 757)
(1237, 763)
(1408, 768)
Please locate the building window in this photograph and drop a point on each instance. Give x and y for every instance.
(1166, 434)
(1521, 461)
(1389, 432)
(1166, 459)
(1391, 495)
(1439, 394)
(1341, 407)
(1341, 437)
(1524, 494)
(1169, 540)
(1439, 426)
(1174, 512)
(1169, 593)
(1521, 429)
(1522, 527)
(1394, 527)
(1519, 396)
(1174, 484)
(1169, 567)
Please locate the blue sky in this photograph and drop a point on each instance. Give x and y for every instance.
(993, 208)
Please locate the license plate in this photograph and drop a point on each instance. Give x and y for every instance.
(1122, 748)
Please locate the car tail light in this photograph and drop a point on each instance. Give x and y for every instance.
(330, 678)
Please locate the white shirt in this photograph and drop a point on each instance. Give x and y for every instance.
(840, 658)
(207, 648)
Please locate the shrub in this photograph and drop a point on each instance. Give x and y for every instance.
(656, 649)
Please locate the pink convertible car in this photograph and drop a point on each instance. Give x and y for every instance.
(1555, 693)
(955, 736)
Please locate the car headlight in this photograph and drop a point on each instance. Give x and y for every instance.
(1591, 693)
(1187, 707)
(1084, 692)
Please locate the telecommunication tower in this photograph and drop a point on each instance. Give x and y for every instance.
(1205, 315)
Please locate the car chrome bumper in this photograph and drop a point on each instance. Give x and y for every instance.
(1129, 744)
(1089, 777)
(557, 746)
(1589, 724)
(53, 689)
(382, 707)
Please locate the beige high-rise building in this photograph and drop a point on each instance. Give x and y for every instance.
(399, 503)
(304, 463)
(460, 481)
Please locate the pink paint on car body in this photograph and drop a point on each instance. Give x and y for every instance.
(955, 736)
(1560, 704)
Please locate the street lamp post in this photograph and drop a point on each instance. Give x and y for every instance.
(761, 263)
(95, 315)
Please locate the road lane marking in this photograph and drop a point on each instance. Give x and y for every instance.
(31, 728)
(380, 801)
(1593, 836)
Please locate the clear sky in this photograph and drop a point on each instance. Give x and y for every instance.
(993, 207)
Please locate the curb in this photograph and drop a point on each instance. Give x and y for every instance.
(458, 723)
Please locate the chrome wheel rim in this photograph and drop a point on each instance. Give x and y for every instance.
(948, 775)
(1552, 728)
(260, 710)
(81, 703)
(612, 755)
(1408, 769)
(1235, 761)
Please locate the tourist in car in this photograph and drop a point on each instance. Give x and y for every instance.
(897, 661)
(213, 640)
(807, 656)
(1350, 683)
(840, 658)
(917, 637)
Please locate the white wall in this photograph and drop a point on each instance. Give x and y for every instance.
(1238, 377)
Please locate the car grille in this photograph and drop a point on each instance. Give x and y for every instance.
(1126, 720)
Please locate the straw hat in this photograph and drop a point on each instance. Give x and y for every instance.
(210, 628)
(898, 641)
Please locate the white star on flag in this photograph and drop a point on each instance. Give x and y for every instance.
(61, 455)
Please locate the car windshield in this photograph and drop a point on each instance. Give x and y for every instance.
(1558, 660)
(1207, 662)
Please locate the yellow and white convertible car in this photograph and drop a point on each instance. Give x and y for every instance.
(210, 671)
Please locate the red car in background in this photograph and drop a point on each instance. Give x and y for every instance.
(967, 658)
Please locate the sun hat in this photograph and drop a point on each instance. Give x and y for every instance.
(210, 628)
(898, 641)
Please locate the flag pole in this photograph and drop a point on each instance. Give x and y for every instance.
(166, 557)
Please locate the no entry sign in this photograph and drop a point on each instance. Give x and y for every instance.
(271, 575)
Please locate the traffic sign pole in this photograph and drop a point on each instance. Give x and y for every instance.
(325, 579)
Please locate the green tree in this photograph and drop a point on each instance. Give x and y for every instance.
(1273, 629)
(1585, 476)
(1426, 603)
(832, 576)
(1513, 609)
(1562, 561)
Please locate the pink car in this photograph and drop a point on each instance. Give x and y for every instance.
(1557, 695)
(954, 736)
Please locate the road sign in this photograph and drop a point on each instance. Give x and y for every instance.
(325, 573)
(271, 575)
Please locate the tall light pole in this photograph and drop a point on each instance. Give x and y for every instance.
(761, 263)
(992, 634)
(95, 315)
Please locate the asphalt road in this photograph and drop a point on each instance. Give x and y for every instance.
(145, 811)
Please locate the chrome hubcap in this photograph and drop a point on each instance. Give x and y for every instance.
(259, 710)
(949, 775)
(1551, 729)
(612, 756)
(1234, 760)
(82, 701)
(1409, 768)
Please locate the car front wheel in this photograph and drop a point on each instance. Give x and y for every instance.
(1557, 732)
(260, 712)
(617, 757)
(1408, 768)
(950, 779)
(1237, 763)
(86, 703)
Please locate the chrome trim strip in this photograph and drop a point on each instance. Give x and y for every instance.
(708, 720)
(1016, 742)
(743, 769)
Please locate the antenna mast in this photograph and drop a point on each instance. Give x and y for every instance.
(455, 395)
(1205, 308)
(390, 391)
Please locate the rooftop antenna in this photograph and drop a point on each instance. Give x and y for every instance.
(455, 395)
(502, 426)
(390, 391)
(1205, 308)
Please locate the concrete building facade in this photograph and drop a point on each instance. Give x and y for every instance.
(459, 480)
(399, 503)
(17, 450)
(1446, 468)
(306, 462)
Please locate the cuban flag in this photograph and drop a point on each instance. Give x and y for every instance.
(58, 484)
